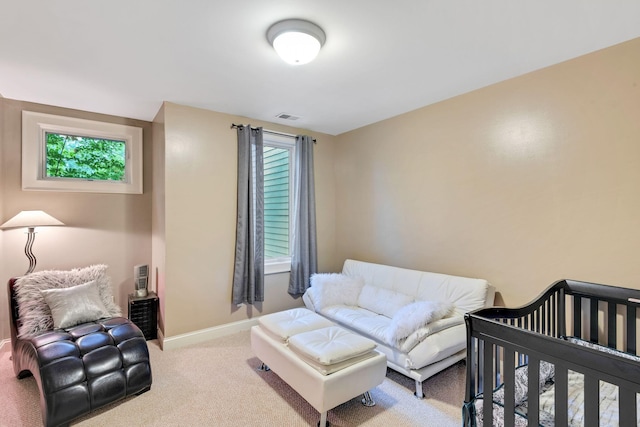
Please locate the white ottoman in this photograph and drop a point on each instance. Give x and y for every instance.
(326, 365)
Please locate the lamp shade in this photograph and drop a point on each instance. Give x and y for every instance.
(296, 41)
(31, 219)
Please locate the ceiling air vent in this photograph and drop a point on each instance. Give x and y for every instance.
(285, 116)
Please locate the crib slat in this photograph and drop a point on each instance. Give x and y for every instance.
(480, 368)
(561, 394)
(631, 329)
(487, 387)
(496, 367)
(611, 325)
(628, 407)
(561, 305)
(591, 401)
(549, 327)
(533, 392)
(577, 317)
(593, 320)
(509, 387)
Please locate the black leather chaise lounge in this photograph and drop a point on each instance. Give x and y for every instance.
(81, 368)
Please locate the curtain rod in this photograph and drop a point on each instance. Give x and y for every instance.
(273, 132)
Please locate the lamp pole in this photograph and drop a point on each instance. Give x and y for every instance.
(31, 236)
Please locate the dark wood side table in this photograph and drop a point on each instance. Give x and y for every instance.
(143, 311)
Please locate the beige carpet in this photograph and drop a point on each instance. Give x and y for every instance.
(217, 383)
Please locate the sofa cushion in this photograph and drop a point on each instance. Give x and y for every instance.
(465, 293)
(375, 326)
(414, 316)
(383, 301)
(439, 327)
(396, 279)
(329, 289)
(360, 320)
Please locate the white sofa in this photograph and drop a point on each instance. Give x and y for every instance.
(401, 310)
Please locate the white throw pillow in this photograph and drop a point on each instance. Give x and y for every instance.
(34, 313)
(383, 301)
(413, 317)
(74, 305)
(329, 289)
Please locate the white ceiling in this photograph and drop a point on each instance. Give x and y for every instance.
(381, 58)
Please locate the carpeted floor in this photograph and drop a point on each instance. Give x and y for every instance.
(217, 383)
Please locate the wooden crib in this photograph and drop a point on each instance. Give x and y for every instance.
(567, 358)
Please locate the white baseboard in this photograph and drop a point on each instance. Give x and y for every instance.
(4, 343)
(177, 341)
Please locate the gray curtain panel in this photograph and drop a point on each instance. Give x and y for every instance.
(248, 274)
(304, 253)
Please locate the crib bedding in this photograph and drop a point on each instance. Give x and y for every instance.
(609, 404)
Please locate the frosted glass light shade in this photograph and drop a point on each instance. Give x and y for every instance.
(296, 48)
(296, 41)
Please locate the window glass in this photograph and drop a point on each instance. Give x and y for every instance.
(278, 201)
(70, 156)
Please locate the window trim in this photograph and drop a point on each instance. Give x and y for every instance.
(282, 264)
(35, 126)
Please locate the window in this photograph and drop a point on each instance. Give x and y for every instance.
(278, 201)
(68, 154)
(71, 156)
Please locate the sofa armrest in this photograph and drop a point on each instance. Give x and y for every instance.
(306, 298)
(491, 296)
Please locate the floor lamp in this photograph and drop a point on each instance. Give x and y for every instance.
(30, 220)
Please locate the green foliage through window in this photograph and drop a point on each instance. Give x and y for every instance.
(70, 156)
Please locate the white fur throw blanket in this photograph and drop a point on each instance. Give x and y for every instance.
(35, 315)
(414, 316)
(329, 289)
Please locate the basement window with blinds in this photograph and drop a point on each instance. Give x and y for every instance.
(279, 165)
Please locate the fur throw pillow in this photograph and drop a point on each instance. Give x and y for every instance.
(35, 315)
(414, 316)
(334, 289)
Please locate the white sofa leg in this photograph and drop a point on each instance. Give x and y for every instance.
(418, 392)
(323, 419)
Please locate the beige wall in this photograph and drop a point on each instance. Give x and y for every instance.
(200, 164)
(522, 183)
(113, 229)
(158, 214)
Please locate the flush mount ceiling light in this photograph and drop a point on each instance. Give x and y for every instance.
(296, 41)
